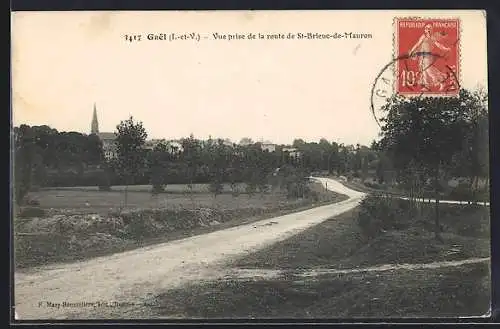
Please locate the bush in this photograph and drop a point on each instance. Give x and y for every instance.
(264, 188)
(139, 224)
(297, 189)
(31, 212)
(235, 189)
(104, 181)
(378, 213)
(250, 189)
(314, 196)
(374, 185)
(158, 188)
(463, 193)
(216, 187)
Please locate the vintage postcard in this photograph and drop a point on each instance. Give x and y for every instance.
(250, 164)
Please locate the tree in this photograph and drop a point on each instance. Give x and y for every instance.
(298, 143)
(294, 181)
(158, 163)
(345, 161)
(236, 168)
(331, 154)
(473, 161)
(130, 139)
(422, 136)
(191, 156)
(218, 163)
(252, 171)
(246, 141)
(24, 151)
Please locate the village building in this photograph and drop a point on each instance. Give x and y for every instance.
(269, 147)
(292, 152)
(107, 138)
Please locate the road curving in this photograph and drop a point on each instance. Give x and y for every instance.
(130, 277)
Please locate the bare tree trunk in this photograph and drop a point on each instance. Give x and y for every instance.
(126, 193)
(475, 189)
(437, 226)
(191, 196)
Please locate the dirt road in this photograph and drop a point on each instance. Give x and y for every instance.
(96, 287)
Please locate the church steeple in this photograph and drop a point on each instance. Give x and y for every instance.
(95, 124)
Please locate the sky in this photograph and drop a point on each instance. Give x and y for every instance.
(276, 90)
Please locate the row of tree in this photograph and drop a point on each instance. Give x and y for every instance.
(69, 158)
(218, 162)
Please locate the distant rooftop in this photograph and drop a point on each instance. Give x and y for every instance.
(106, 135)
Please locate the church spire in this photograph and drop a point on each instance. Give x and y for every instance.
(95, 124)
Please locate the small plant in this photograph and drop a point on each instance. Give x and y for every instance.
(157, 189)
(235, 191)
(216, 188)
(263, 188)
(251, 188)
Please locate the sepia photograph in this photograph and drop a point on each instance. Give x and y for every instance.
(207, 165)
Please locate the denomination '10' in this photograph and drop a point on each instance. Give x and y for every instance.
(409, 78)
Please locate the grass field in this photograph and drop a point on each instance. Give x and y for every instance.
(172, 188)
(81, 224)
(339, 243)
(93, 201)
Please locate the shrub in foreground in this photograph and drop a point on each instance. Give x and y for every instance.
(380, 212)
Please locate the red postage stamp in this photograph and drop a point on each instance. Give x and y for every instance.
(428, 56)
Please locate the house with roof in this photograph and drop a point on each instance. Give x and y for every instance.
(292, 152)
(267, 146)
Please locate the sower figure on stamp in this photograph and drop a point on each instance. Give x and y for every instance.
(430, 75)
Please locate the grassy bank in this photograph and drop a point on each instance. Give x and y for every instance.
(341, 243)
(445, 292)
(69, 233)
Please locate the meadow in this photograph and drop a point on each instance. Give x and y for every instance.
(78, 223)
(78, 200)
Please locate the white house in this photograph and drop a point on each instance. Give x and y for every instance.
(268, 147)
(175, 146)
(292, 152)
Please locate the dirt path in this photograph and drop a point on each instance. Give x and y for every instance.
(428, 200)
(129, 278)
(479, 203)
(273, 274)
